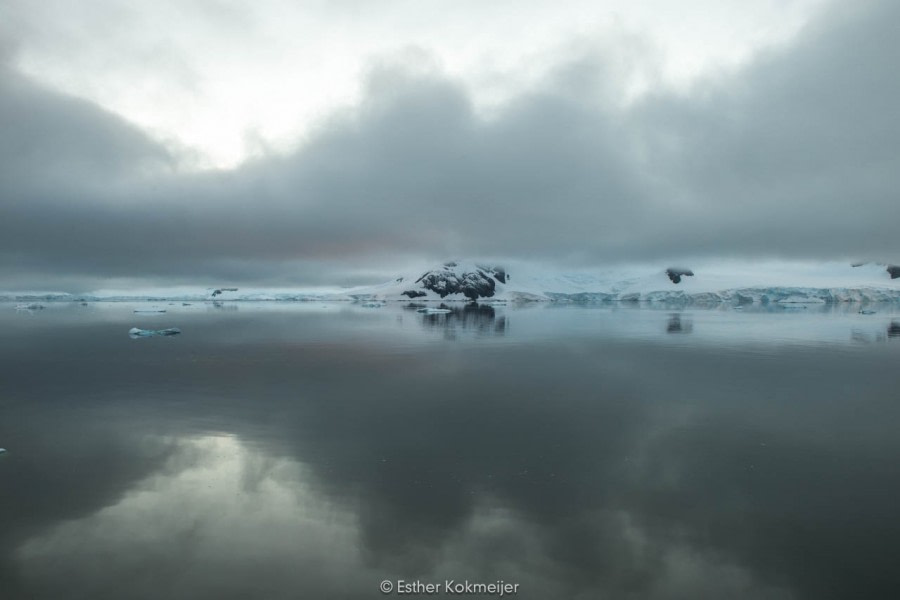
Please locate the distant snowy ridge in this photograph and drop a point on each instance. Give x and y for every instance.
(786, 284)
(28, 296)
(178, 295)
(763, 296)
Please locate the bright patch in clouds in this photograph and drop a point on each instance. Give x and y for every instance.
(220, 82)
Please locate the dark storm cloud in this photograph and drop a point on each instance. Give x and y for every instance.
(794, 155)
(54, 145)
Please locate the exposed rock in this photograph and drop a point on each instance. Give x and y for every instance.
(499, 273)
(218, 291)
(414, 294)
(479, 283)
(675, 274)
(893, 270)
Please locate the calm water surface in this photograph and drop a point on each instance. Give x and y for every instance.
(313, 451)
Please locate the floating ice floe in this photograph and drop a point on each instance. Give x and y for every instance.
(135, 332)
(372, 304)
(867, 312)
(149, 310)
(434, 311)
(2, 450)
(32, 306)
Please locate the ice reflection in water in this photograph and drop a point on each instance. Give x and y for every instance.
(678, 324)
(479, 319)
(285, 451)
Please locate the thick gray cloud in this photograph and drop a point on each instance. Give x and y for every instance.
(794, 155)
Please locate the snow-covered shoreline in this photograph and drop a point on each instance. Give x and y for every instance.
(777, 283)
(729, 282)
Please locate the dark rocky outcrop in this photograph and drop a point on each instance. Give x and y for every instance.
(218, 291)
(893, 270)
(478, 283)
(472, 285)
(675, 274)
(414, 294)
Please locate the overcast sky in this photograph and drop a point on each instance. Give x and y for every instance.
(311, 143)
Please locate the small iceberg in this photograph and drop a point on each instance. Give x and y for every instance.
(2, 450)
(149, 310)
(136, 333)
(33, 306)
(373, 304)
(866, 312)
(434, 311)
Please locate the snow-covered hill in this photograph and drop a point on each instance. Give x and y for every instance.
(737, 283)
